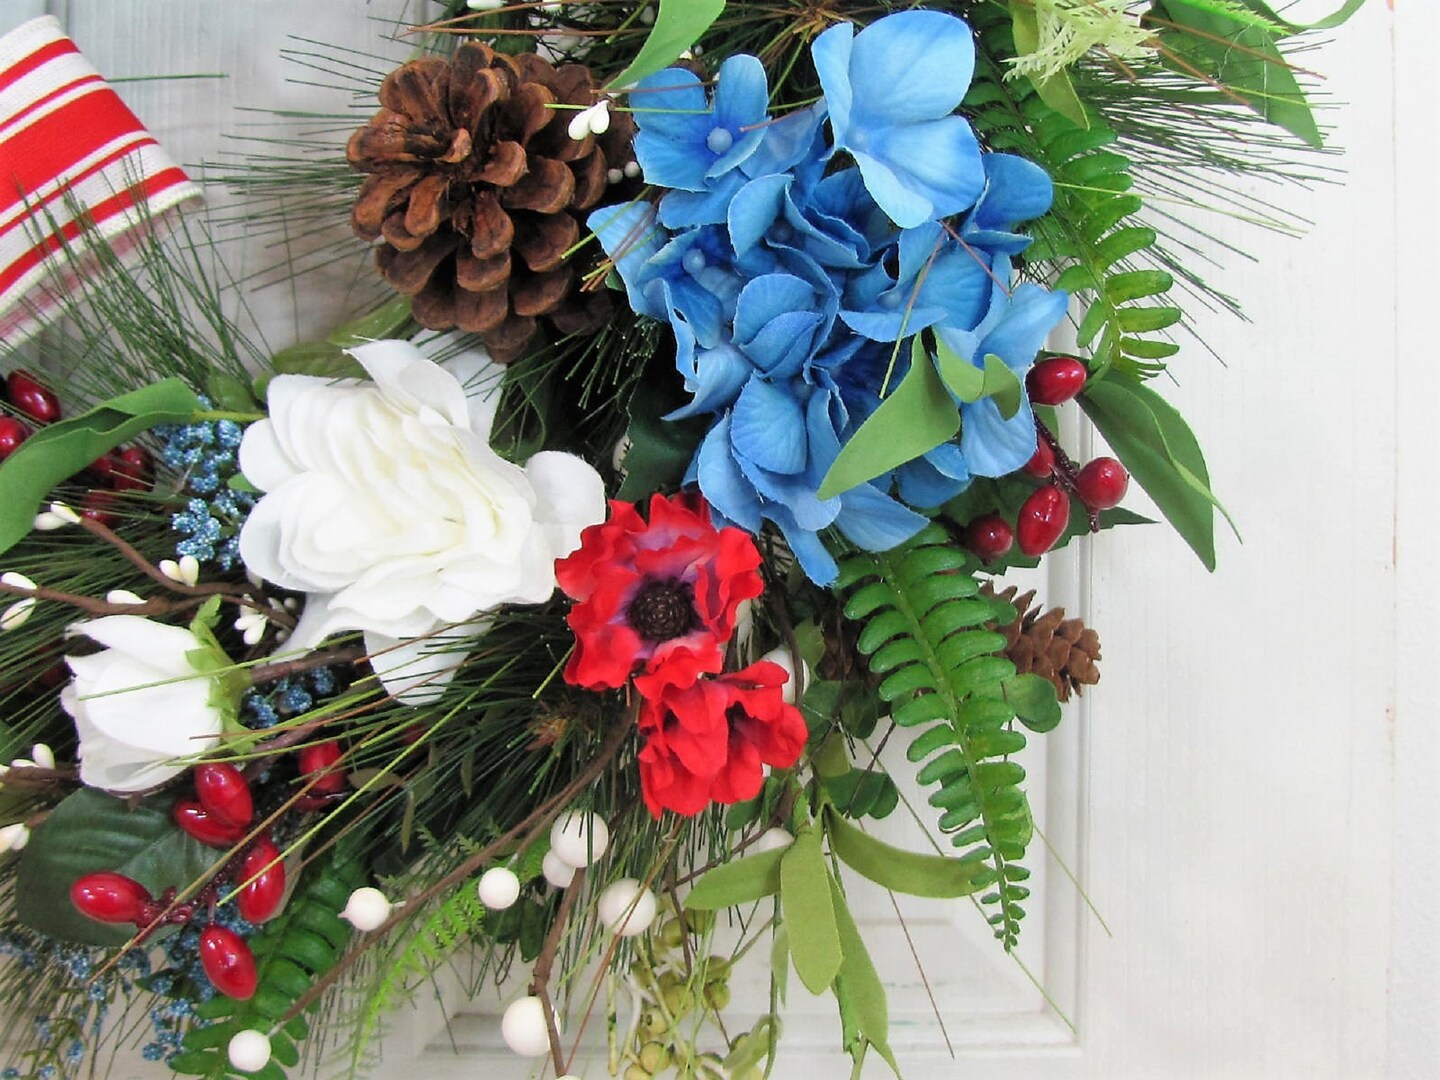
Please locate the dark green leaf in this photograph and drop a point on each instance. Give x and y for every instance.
(678, 25)
(810, 912)
(322, 359)
(739, 882)
(1033, 698)
(1157, 446)
(660, 449)
(900, 870)
(60, 450)
(390, 320)
(90, 831)
(916, 418)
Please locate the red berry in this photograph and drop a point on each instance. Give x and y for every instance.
(1102, 483)
(1042, 520)
(32, 398)
(1042, 463)
(109, 897)
(321, 758)
(265, 873)
(228, 962)
(194, 819)
(224, 793)
(1055, 380)
(131, 469)
(12, 433)
(100, 506)
(989, 537)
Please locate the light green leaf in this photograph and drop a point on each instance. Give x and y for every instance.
(60, 450)
(322, 359)
(780, 962)
(900, 870)
(90, 831)
(1156, 445)
(916, 418)
(1033, 699)
(1057, 91)
(390, 320)
(809, 912)
(678, 26)
(864, 1010)
(738, 882)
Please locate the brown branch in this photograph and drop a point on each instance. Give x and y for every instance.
(92, 606)
(283, 669)
(525, 831)
(545, 963)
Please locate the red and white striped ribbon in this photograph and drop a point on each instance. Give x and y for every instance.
(75, 163)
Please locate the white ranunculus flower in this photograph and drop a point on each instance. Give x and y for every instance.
(140, 704)
(385, 503)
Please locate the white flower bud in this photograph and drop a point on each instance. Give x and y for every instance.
(627, 908)
(123, 596)
(45, 521)
(632, 169)
(579, 838)
(43, 755)
(557, 871)
(16, 614)
(524, 1029)
(781, 655)
(579, 125)
(498, 888)
(186, 571)
(14, 837)
(17, 581)
(249, 1051)
(600, 116)
(65, 513)
(485, 5)
(614, 176)
(367, 909)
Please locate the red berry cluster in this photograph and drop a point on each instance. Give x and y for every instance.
(127, 468)
(1045, 514)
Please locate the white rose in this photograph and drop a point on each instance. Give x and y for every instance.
(140, 704)
(385, 503)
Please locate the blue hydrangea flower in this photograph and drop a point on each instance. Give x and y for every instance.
(892, 90)
(685, 141)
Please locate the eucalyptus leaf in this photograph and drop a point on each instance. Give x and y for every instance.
(1033, 698)
(60, 450)
(739, 882)
(90, 831)
(903, 871)
(864, 1009)
(1157, 446)
(805, 898)
(678, 26)
(916, 418)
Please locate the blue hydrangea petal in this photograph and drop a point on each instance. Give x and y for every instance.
(819, 565)
(791, 143)
(909, 67)
(768, 427)
(715, 376)
(786, 343)
(921, 484)
(742, 98)
(767, 297)
(875, 521)
(843, 196)
(920, 172)
(687, 209)
(674, 119)
(1033, 312)
(992, 445)
(830, 53)
(629, 236)
(721, 481)
(794, 492)
(1016, 190)
(754, 209)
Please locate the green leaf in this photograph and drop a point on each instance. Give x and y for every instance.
(916, 418)
(1034, 701)
(660, 449)
(1329, 22)
(90, 831)
(1241, 55)
(969, 383)
(739, 882)
(1156, 445)
(60, 450)
(1057, 91)
(678, 25)
(864, 1010)
(229, 393)
(810, 912)
(322, 359)
(899, 870)
(390, 320)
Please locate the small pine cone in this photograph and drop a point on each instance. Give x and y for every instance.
(1046, 643)
(477, 192)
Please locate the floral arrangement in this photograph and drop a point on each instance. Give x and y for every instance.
(566, 598)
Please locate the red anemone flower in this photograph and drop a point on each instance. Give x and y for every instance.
(659, 592)
(709, 740)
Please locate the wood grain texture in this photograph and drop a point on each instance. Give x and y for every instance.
(1229, 792)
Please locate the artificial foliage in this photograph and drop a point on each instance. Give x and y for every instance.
(568, 615)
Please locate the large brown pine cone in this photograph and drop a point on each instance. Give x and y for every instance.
(1065, 651)
(478, 191)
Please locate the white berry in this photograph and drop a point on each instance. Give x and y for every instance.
(557, 871)
(772, 840)
(627, 908)
(498, 888)
(249, 1051)
(367, 909)
(782, 656)
(523, 1027)
(579, 838)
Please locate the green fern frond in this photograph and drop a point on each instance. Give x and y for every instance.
(291, 951)
(1089, 236)
(924, 635)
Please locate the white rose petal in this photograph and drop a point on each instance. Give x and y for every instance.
(140, 705)
(386, 506)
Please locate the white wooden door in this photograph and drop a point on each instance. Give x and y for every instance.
(1249, 797)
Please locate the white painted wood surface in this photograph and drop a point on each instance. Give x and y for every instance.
(1250, 796)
